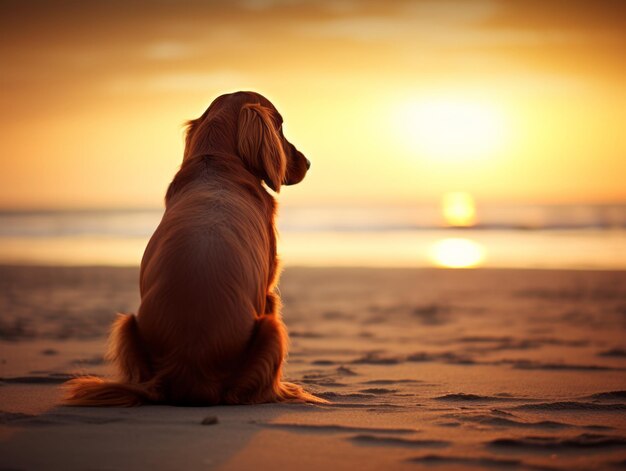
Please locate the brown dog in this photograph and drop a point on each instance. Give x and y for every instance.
(209, 329)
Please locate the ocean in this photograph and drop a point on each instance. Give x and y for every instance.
(509, 236)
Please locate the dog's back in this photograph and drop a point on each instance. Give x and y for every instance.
(202, 279)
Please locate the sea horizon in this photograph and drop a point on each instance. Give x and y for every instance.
(573, 236)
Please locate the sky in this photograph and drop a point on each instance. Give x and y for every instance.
(393, 102)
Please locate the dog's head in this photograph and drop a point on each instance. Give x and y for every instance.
(248, 125)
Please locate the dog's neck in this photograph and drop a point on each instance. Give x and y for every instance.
(217, 167)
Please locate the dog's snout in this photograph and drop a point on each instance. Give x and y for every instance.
(308, 164)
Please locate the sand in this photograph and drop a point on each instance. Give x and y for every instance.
(425, 368)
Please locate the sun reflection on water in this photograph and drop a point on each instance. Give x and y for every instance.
(456, 252)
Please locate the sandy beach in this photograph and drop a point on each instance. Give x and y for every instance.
(425, 368)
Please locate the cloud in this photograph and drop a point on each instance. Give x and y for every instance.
(178, 82)
(478, 23)
(258, 5)
(164, 50)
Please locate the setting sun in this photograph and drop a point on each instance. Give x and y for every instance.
(459, 209)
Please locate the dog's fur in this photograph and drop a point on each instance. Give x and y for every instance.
(208, 330)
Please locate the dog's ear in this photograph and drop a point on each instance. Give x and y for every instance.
(260, 145)
(190, 129)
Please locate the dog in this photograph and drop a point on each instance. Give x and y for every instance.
(209, 329)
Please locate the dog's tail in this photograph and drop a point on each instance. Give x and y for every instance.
(137, 383)
(93, 391)
(291, 392)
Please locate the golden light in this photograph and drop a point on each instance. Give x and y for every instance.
(459, 209)
(457, 253)
(446, 129)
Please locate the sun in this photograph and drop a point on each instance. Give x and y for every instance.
(459, 209)
(450, 129)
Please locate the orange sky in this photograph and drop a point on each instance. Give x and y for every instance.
(391, 101)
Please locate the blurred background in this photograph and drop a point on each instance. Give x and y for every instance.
(441, 133)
